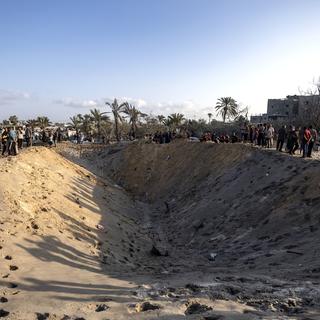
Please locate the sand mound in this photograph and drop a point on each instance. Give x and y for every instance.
(228, 227)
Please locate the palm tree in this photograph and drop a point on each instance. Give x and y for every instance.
(32, 123)
(116, 110)
(76, 121)
(134, 115)
(161, 118)
(175, 120)
(98, 117)
(167, 122)
(210, 116)
(43, 122)
(13, 120)
(86, 124)
(227, 107)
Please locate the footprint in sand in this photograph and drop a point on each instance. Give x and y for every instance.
(42, 316)
(13, 268)
(4, 313)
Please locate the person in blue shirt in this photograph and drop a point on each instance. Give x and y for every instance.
(13, 148)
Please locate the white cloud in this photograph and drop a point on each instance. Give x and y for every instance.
(77, 103)
(8, 96)
(189, 108)
(139, 103)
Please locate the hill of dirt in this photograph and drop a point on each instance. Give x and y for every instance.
(185, 227)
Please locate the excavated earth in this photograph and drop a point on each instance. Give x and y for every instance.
(143, 231)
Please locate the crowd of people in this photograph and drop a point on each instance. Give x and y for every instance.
(264, 135)
(14, 139)
(301, 138)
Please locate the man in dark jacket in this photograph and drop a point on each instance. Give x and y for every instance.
(281, 137)
(28, 135)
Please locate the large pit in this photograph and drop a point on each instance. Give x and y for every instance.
(232, 227)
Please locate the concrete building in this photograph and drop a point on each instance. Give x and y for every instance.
(261, 118)
(288, 108)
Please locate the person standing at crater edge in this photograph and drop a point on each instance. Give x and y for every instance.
(305, 141)
(314, 136)
(13, 147)
(20, 137)
(4, 140)
(28, 136)
(281, 138)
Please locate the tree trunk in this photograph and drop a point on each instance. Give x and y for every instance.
(116, 128)
(99, 131)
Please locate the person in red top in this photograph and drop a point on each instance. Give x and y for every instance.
(305, 141)
(314, 138)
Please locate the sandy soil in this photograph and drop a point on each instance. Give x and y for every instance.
(232, 228)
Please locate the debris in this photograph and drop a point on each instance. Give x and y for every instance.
(196, 308)
(42, 316)
(157, 253)
(193, 287)
(146, 306)
(213, 317)
(100, 227)
(212, 256)
(102, 307)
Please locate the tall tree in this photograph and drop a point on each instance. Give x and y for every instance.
(161, 118)
(43, 122)
(227, 107)
(134, 116)
(76, 121)
(14, 120)
(116, 110)
(98, 117)
(175, 120)
(86, 124)
(32, 123)
(210, 116)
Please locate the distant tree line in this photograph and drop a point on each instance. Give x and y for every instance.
(126, 121)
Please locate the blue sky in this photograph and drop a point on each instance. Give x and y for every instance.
(63, 57)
